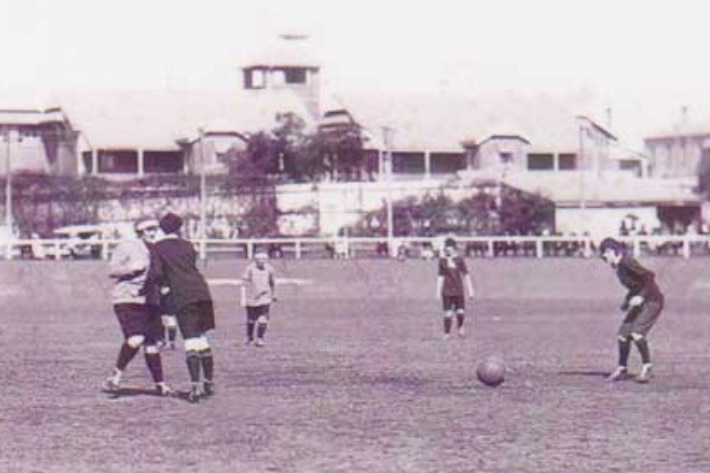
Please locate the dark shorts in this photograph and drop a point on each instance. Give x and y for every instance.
(256, 311)
(139, 319)
(453, 303)
(641, 319)
(195, 319)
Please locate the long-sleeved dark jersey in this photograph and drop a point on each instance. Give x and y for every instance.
(637, 279)
(175, 265)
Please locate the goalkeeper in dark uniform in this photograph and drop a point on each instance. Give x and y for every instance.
(643, 305)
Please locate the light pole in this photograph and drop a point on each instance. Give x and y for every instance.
(203, 196)
(8, 136)
(387, 136)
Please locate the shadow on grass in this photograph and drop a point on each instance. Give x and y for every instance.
(593, 373)
(124, 392)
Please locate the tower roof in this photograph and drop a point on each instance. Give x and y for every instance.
(289, 50)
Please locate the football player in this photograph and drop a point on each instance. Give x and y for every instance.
(176, 267)
(452, 276)
(257, 294)
(643, 305)
(134, 303)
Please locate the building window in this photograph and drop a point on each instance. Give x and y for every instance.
(294, 75)
(567, 162)
(254, 79)
(506, 158)
(118, 162)
(163, 162)
(447, 163)
(408, 163)
(541, 162)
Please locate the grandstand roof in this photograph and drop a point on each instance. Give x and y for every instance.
(442, 123)
(156, 119)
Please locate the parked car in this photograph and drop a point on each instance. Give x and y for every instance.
(84, 242)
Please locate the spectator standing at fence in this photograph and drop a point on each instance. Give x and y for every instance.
(643, 305)
(257, 295)
(452, 277)
(135, 302)
(176, 268)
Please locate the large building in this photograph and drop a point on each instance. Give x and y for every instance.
(540, 143)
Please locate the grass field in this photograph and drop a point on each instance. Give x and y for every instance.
(356, 376)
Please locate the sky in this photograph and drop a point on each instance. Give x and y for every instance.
(643, 60)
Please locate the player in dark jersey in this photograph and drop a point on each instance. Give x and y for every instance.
(135, 304)
(452, 276)
(643, 305)
(176, 268)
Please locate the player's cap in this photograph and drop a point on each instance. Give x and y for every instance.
(170, 223)
(261, 254)
(145, 223)
(450, 243)
(611, 244)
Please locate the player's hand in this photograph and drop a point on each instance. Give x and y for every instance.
(636, 301)
(624, 307)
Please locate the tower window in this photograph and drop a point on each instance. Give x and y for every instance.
(295, 75)
(254, 79)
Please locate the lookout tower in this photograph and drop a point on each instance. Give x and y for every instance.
(290, 65)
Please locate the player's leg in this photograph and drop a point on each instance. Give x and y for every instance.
(621, 371)
(251, 323)
(207, 362)
(262, 323)
(133, 339)
(642, 325)
(193, 345)
(460, 316)
(449, 307)
(206, 323)
(151, 352)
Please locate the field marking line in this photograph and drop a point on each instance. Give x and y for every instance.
(239, 282)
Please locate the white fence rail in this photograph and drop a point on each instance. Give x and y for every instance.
(685, 246)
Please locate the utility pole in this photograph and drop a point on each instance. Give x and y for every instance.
(203, 197)
(8, 136)
(387, 137)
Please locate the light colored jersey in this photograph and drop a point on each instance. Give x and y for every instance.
(128, 268)
(259, 284)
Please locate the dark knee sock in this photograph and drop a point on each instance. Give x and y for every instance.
(459, 320)
(250, 327)
(193, 365)
(125, 356)
(172, 334)
(447, 324)
(624, 350)
(644, 350)
(155, 366)
(261, 329)
(207, 364)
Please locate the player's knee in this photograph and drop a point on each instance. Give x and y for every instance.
(135, 341)
(263, 319)
(623, 338)
(151, 350)
(637, 337)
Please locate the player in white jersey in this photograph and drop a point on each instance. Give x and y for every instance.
(257, 294)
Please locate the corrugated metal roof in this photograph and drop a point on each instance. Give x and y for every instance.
(154, 120)
(442, 123)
